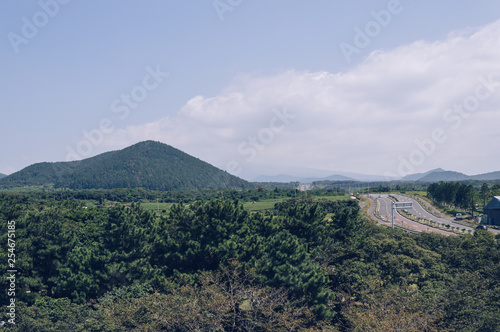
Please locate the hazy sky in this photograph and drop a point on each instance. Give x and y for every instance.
(255, 87)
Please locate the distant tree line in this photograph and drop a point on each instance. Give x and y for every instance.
(453, 194)
(461, 195)
(176, 196)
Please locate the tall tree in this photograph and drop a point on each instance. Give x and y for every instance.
(484, 193)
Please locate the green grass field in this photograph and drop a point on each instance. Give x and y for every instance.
(262, 205)
(154, 206)
(269, 203)
(418, 193)
(334, 198)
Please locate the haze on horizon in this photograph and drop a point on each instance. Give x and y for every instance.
(378, 87)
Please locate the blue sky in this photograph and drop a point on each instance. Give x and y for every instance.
(254, 87)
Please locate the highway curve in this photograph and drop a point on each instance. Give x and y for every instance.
(380, 211)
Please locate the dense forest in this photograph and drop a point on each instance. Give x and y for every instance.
(210, 265)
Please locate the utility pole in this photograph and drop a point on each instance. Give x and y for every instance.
(400, 206)
(392, 206)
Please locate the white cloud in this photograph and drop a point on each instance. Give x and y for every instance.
(363, 120)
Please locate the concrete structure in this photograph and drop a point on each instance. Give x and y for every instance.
(492, 210)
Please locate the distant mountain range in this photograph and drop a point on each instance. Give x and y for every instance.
(443, 176)
(456, 176)
(339, 176)
(435, 175)
(289, 178)
(2, 175)
(440, 174)
(148, 165)
(417, 176)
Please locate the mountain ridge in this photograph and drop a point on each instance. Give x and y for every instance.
(434, 175)
(488, 176)
(444, 176)
(417, 176)
(458, 176)
(289, 178)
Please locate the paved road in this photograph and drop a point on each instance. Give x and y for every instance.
(382, 204)
(420, 212)
(436, 216)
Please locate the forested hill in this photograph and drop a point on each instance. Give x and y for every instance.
(148, 165)
(2, 175)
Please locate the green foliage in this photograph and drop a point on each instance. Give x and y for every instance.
(78, 252)
(453, 194)
(121, 195)
(484, 193)
(212, 265)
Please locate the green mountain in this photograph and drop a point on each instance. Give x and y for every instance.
(2, 175)
(444, 176)
(148, 165)
(418, 176)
